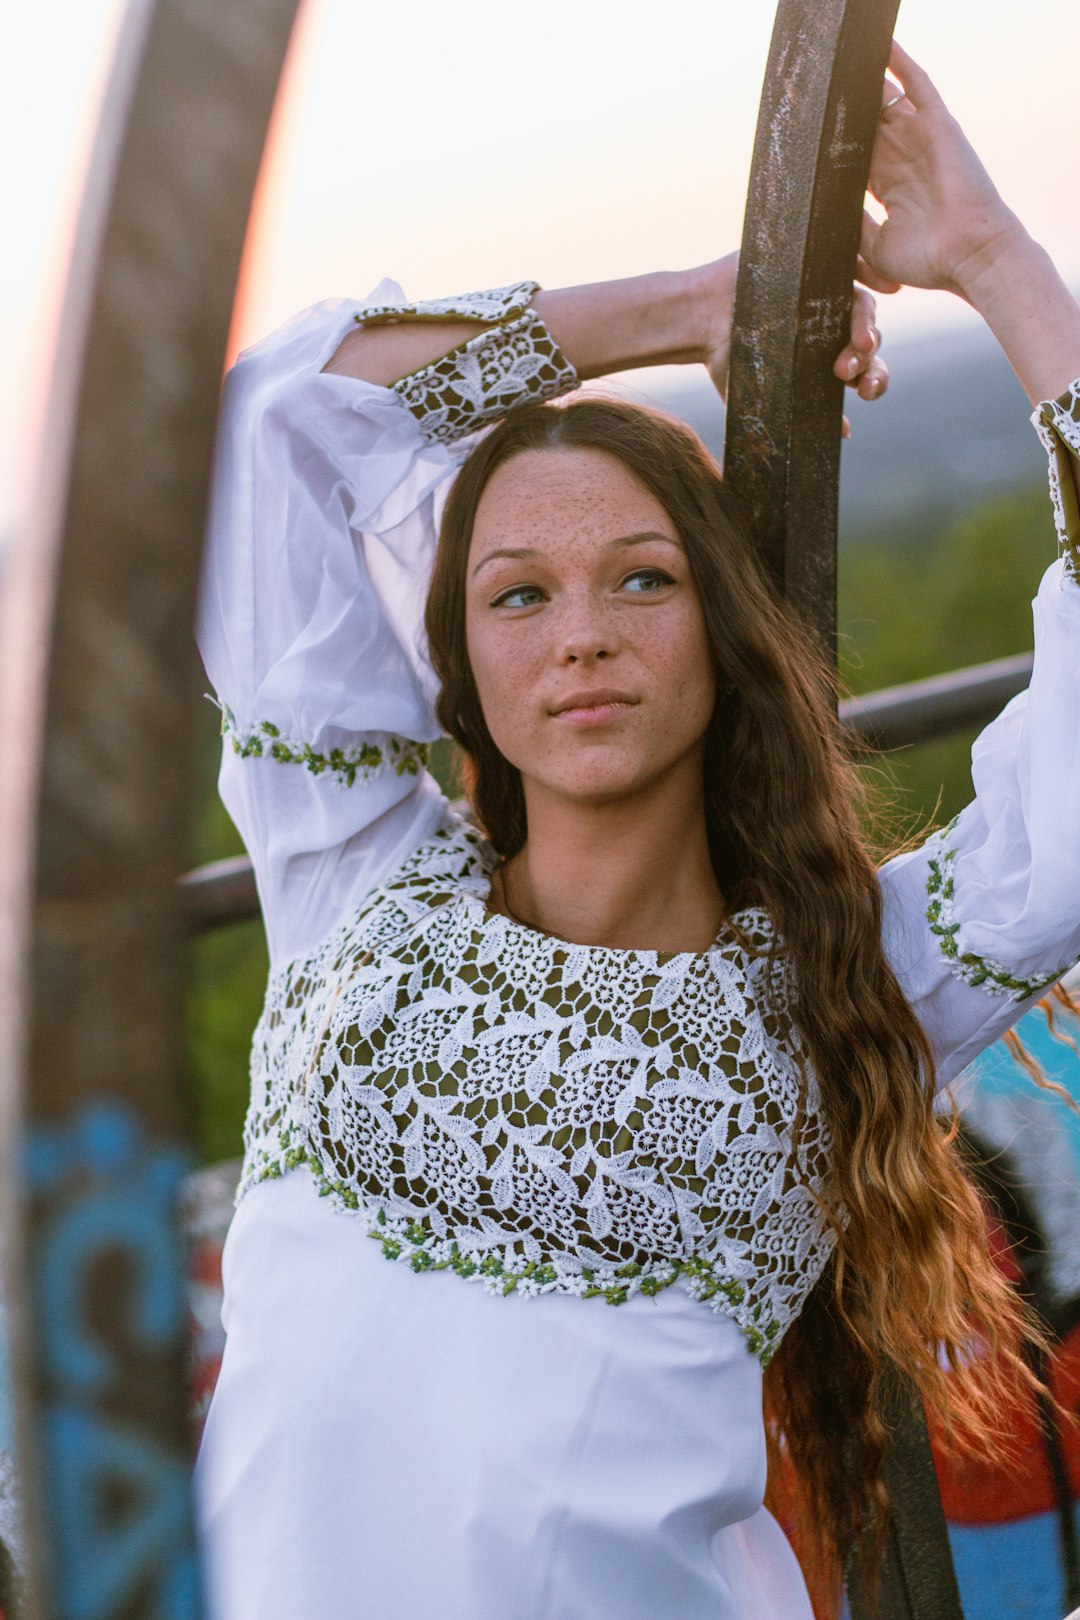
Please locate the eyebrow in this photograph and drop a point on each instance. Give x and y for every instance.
(525, 552)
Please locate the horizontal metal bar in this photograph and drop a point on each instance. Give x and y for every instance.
(921, 711)
(897, 716)
(221, 892)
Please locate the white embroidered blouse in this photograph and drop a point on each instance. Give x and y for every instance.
(532, 1114)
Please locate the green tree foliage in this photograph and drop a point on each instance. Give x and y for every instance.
(913, 602)
(226, 982)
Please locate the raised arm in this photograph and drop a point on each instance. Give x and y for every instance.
(982, 919)
(948, 227)
(664, 318)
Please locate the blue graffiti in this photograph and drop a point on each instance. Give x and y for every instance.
(109, 1191)
(88, 1457)
(130, 1209)
(998, 1076)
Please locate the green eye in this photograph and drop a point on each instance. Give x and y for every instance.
(519, 596)
(654, 579)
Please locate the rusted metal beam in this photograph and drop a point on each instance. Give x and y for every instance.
(100, 702)
(220, 892)
(918, 1581)
(921, 711)
(816, 127)
(815, 132)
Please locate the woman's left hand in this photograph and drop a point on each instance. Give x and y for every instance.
(858, 364)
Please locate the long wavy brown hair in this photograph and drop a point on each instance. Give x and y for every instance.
(911, 1284)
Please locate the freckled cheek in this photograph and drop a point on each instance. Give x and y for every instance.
(679, 657)
(502, 665)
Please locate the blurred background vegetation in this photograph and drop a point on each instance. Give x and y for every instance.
(933, 599)
(934, 596)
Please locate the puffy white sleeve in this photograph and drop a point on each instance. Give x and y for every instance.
(982, 919)
(325, 504)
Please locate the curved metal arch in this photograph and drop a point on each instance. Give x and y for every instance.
(819, 110)
(100, 696)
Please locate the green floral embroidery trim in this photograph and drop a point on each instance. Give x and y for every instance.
(411, 1241)
(975, 970)
(344, 764)
(1057, 423)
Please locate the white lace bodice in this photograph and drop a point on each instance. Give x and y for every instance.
(544, 1116)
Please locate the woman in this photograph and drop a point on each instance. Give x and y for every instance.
(663, 1040)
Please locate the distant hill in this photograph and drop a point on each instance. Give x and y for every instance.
(952, 432)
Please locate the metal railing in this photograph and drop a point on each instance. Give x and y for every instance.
(894, 717)
(921, 711)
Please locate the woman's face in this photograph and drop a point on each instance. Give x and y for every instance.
(584, 627)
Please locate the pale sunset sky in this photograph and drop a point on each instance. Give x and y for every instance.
(458, 145)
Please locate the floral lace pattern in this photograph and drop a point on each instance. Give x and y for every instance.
(378, 752)
(496, 304)
(975, 970)
(544, 1116)
(481, 379)
(1057, 422)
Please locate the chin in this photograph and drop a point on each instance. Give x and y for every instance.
(590, 787)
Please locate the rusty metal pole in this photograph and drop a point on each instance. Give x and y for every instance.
(100, 693)
(818, 118)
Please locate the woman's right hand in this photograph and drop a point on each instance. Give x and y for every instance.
(944, 212)
(948, 228)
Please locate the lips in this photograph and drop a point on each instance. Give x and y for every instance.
(601, 697)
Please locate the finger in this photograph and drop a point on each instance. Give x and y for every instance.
(869, 374)
(869, 248)
(874, 381)
(917, 83)
(845, 428)
(856, 356)
(870, 278)
(868, 238)
(893, 98)
(864, 334)
(854, 364)
(896, 108)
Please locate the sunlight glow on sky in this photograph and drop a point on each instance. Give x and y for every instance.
(452, 146)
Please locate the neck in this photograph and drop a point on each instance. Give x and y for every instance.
(634, 874)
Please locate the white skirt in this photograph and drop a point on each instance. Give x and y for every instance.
(391, 1445)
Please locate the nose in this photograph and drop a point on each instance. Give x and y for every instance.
(586, 633)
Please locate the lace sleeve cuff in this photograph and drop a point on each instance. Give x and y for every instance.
(1057, 422)
(481, 379)
(997, 978)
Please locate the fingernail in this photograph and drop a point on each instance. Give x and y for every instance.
(875, 387)
(851, 366)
